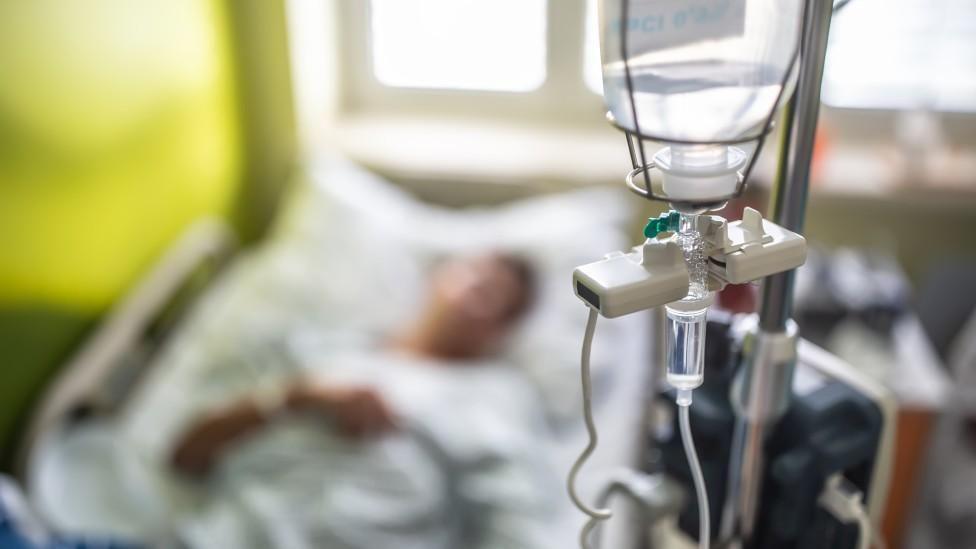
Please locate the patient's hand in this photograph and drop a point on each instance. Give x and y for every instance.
(357, 411)
(206, 441)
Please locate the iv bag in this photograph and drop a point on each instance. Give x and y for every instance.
(700, 71)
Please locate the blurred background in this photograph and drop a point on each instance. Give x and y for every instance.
(245, 183)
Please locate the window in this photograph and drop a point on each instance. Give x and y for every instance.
(505, 65)
(903, 54)
(492, 45)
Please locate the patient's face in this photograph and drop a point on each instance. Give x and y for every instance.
(476, 300)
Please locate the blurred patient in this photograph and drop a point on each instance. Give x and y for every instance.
(474, 303)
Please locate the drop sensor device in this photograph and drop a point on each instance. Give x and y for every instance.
(655, 273)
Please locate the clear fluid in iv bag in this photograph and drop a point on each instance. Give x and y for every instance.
(700, 101)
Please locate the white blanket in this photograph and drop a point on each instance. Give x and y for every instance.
(470, 467)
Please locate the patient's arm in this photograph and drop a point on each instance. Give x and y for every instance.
(356, 411)
(202, 445)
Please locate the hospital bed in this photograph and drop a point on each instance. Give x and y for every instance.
(347, 260)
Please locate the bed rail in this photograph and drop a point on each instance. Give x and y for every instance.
(102, 374)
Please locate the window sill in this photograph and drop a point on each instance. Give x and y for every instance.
(483, 152)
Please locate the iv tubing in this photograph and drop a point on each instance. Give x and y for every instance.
(704, 531)
(595, 515)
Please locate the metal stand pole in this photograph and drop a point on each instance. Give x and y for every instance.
(762, 389)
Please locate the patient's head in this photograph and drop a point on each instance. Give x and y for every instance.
(474, 302)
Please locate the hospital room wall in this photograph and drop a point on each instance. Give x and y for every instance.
(120, 124)
(921, 234)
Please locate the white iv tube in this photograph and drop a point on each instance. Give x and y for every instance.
(704, 528)
(686, 354)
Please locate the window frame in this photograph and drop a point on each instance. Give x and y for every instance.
(844, 104)
(859, 125)
(562, 98)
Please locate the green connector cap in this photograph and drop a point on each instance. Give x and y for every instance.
(666, 222)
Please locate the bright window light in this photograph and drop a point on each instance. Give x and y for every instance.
(493, 45)
(592, 71)
(903, 54)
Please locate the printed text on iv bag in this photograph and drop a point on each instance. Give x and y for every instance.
(662, 24)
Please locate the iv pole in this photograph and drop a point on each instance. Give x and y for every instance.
(762, 391)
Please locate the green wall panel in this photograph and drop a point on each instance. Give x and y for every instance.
(119, 125)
